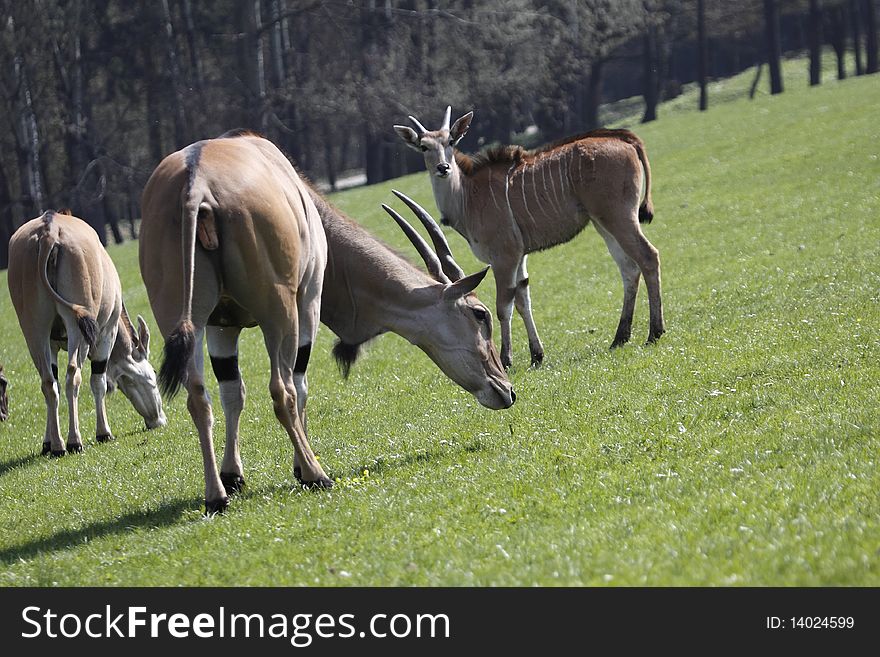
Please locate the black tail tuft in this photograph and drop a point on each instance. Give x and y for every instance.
(89, 329)
(646, 214)
(345, 355)
(179, 347)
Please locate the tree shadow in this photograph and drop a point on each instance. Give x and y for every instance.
(165, 515)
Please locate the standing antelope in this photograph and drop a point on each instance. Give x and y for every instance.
(369, 289)
(4, 400)
(66, 293)
(230, 239)
(509, 202)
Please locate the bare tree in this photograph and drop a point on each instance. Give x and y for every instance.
(815, 40)
(774, 53)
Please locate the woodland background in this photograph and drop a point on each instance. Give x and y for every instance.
(93, 93)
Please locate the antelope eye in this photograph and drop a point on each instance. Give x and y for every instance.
(480, 314)
(424, 148)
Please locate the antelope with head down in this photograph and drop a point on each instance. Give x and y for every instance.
(230, 239)
(509, 202)
(369, 290)
(66, 293)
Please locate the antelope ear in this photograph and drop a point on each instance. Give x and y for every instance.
(408, 135)
(144, 336)
(459, 128)
(464, 285)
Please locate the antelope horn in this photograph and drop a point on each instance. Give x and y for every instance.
(422, 129)
(447, 118)
(430, 258)
(441, 246)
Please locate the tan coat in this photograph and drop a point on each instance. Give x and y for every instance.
(67, 294)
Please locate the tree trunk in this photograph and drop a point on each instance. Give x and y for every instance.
(594, 96)
(151, 100)
(195, 61)
(7, 224)
(703, 55)
(329, 159)
(754, 87)
(650, 83)
(837, 25)
(870, 37)
(28, 146)
(250, 65)
(276, 45)
(815, 43)
(855, 15)
(774, 52)
(181, 136)
(373, 152)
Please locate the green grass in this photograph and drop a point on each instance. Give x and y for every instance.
(740, 450)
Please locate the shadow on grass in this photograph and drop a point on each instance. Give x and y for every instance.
(165, 515)
(17, 462)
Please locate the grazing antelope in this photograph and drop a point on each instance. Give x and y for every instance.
(369, 290)
(509, 202)
(230, 239)
(66, 293)
(4, 400)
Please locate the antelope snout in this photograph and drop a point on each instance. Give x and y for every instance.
(155, 423)
(443, 169)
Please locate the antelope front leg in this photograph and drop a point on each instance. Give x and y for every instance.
(505, 292)
(523, 302)
(282, 355)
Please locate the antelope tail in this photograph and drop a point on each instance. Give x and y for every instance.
(646, 209)
(180, 343)
(86, 323)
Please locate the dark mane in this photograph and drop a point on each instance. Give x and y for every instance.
(514, 154)
(469, 165)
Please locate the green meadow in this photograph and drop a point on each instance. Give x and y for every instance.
(739, 450)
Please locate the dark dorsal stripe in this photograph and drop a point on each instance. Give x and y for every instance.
(514, 154)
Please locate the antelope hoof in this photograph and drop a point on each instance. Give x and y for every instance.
(74, 448)
(506, 362)
(46, 449)
(653, 336)
(232, 482)
(104, 438)
(319, 484)
(214, 507)
(58, 453)
(537, 358)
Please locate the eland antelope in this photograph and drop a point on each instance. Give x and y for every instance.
(230, 239)
(4, 400)
(509, 202)
(66, 293)
(369, 290)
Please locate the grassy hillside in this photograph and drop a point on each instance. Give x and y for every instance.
(740, 450)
